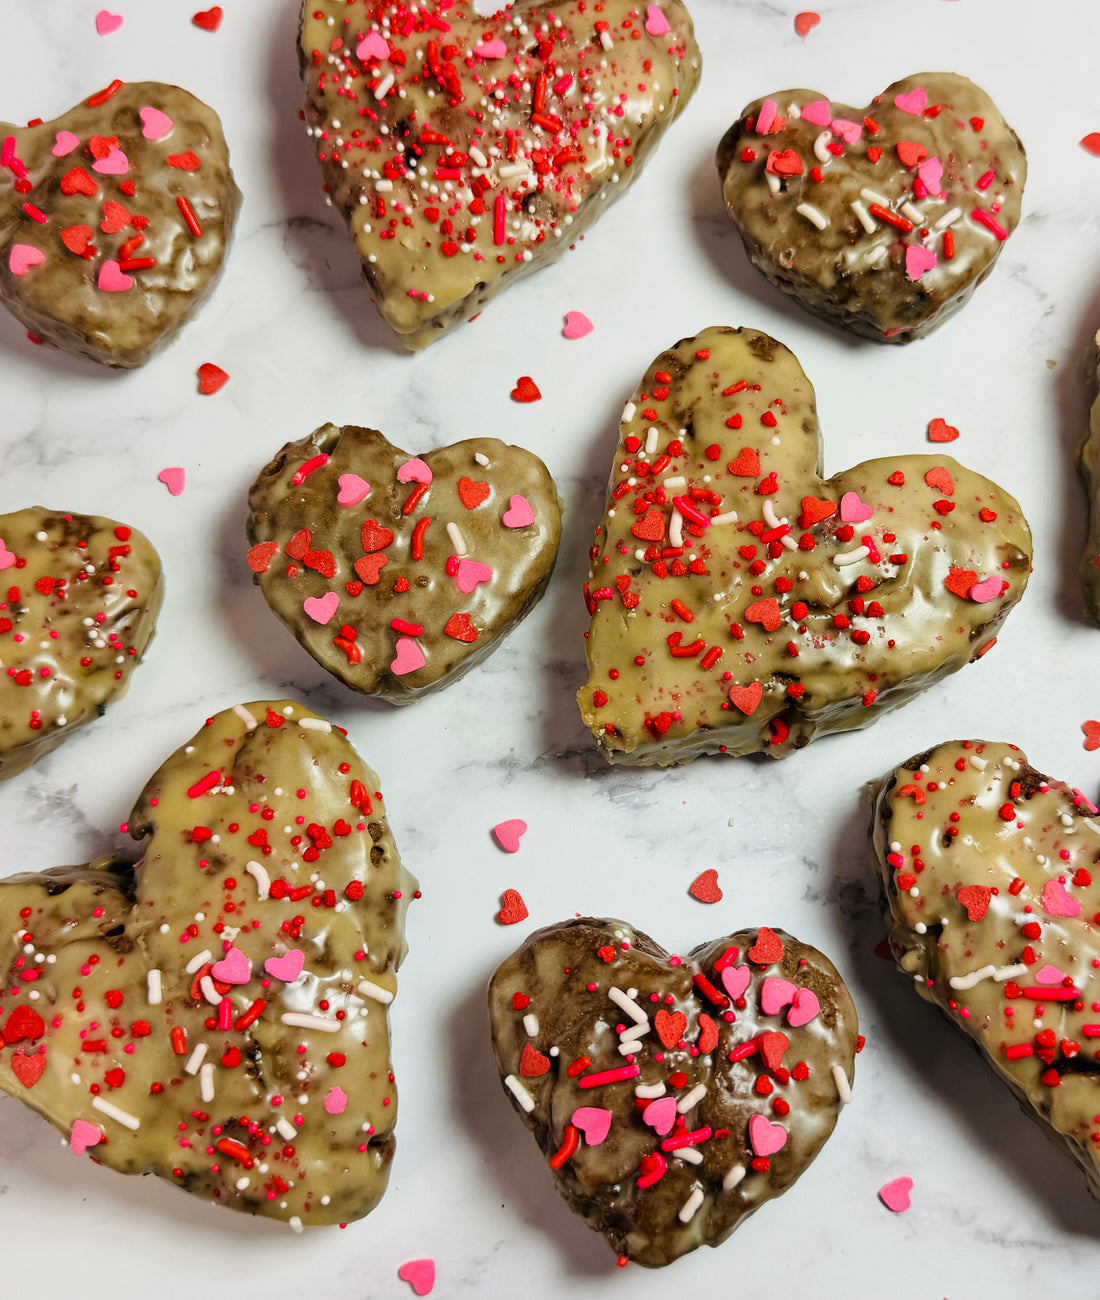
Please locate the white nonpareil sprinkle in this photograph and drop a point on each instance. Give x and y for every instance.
(249, 721)
(457, 540)
(690, 1206)
(285, 1129)
(733, 1177)
(844, 1091)
(206, 1082)
(263, 881)
(303, 1020)
(375, 991)
(200, 959)
(152, 986)
(519, 1092)
(116, 1113)
(691, 1098)
(813, 215)
(531, 1025)
(295, 1224)
(627, 1004)
(315, 724)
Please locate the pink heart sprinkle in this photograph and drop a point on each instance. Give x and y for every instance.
(519, 513)
(735, 979)
(817, 113)
(594, 1122)
(849, 132)
(373, 46)
(1056, 902)
(469, 573)
(766, 117)
(660, 1115)
(918, 259)
(914, 102)
(990, 589)
(114, 164)
(321, 608)
(895, 1195)
(174, 479)
(107, 22)
(931, 173)
(353, 489)
(112, 279)
(1049, 975)
(491, 50)
(234, 968)
(336, 1100)
(766, 1137)
(22, 257)
(408, 657)
(577, 325)
(287, 967)
(775, 995)
(83, 1135)
(155, 125)
(64, 143)
(507, 834)
(656, 24)
(853, 510)
(420, 1275)
(804, 1008)
(414, 471)
(7, 558)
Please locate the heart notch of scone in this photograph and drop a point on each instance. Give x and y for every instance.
(740, 602)
(672, 1096)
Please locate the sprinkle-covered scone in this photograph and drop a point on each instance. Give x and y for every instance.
(987, 871)
(1088, 466)
(881, 219)
(673, 1096)
(80, 598)
(217, 1013)
(741, 603)
(115, 220)
(398, 572)
(466, 151)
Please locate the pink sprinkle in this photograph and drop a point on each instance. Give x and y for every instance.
(336, 1100)
(766, 117)
(500, 208)
(35, 214)
(983, 218)
(984, 182)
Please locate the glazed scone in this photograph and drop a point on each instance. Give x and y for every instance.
(1088, 467)
(466, 151)
(987, 870)
(741, 603)
(80, 598)
(672, 1096)
(882, 219)
(228, 1030)
(115, 220)
(398, 573)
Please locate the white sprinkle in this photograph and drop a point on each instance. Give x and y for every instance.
(864, 217)
(651, 439)
(315, 724)
(851, 557)
(383, 186)
(920, 928)
(877, 255)
(948, 219)
(690, 1156)
(774, 183)
(478, 157)
(206, 1082)
(303, 1020)
(915, 215)
(200, 959)
(649, 1090)
(249, 721)
(768, 511)
(457, 540)
(531, 1025)
(195, 1059)
(384, 86)
(371, 990)
(733, 1176)
(295, 1224)
(285, 1129)
(509, 170)
(152, 986)
(980, 763)
(674, 481)
(676, 528)
(209, 992)
(872, 196)
(627, 1004)
(628, 412)
(263, 881)
(1003, 973)
(691, 1098)
(114, 1112)
(605, 40)
(481, 459)
(690, 1206)
(821, 153)
(843, 1090)
(242, 1183)
(975, 977)
(786, 540)
(728, 518)
(519, 1092)
(814, 215)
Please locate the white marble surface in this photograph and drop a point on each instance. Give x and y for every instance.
(995, 1209)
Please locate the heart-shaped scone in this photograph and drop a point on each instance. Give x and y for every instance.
(1088, 467)
(672, 1095)
(466, 151)
(987, 870)
(79, 598)
(740, 602)
(397, 572)
(115, 220)
(216, 1014)
(882, 219)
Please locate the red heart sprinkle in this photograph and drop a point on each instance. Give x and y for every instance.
(526, 390)
(185, 162)
(766, 613)
(28, 1069)
(651, 527)
(77, 239)
(115, 218)
(874, 153)
(806, 21)
(705, 885)
(99, 146)
(23, 1023)
(975, 898)
(767, 949)
(208, 19)
(784, 162)
(670, 1027)
(708, 1034)
(472, 494)
(814, 510)
(940, 479)
(747, 698)
(375, 536)
(606, 953)
(960, 581)
(353, 588)
(1091, 142)
(211, 378)
(940, 431)
(897, 478)
(78, 181)
(513, 908)
(459, 628)
(771, 1045)
(532, 1063)
(369, 568)
(259, 556)
(747, 464)
(1092, 734)
(520, 1001)
(911, 154)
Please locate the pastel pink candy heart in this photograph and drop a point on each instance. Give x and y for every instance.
(849, 132)
(491, 50)
(83, 1135)
(918, 259)
(803, 1009)
(112, 279)
(1056, 902)
(817, 113)
(507, 834)
(107, 22)
(414, 471)
(155, 125)
(776, 994)
(656, 24)
(174, 479)
(853, 510)
(7, 558)
(353, 489)
(321, 608)
(660, 1115)
(895, 1195)
(336, 1100)
(990, 589)
(914, 102)
(519, 513)
(931, 173)
(420, 1275)
(22, 257)
(373, 46)
(594, 1122)
(408, 657)
(735, 980)
(1049, 975)
(287, 967)
(766, 1138)
(577, 325)
(114, 164)
(64, 143)
(470, 573)
(234, 968)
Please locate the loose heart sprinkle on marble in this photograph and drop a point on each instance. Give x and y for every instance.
(208, 19)
(508, 834)
(1090, 728)
(174, 479)
(513, 909)
(577, 325)
(1091, 143)
(107, 22)
(705, 887)
(650, 1043)
(212, 378)
(895, 1194)
(806, 21)
(420, 1275)
(940, 431)
(526, 390)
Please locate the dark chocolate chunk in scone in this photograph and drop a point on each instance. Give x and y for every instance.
(79, 598)
(115, 220)
(399, 572)
(672, 1096)
(881, 219)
